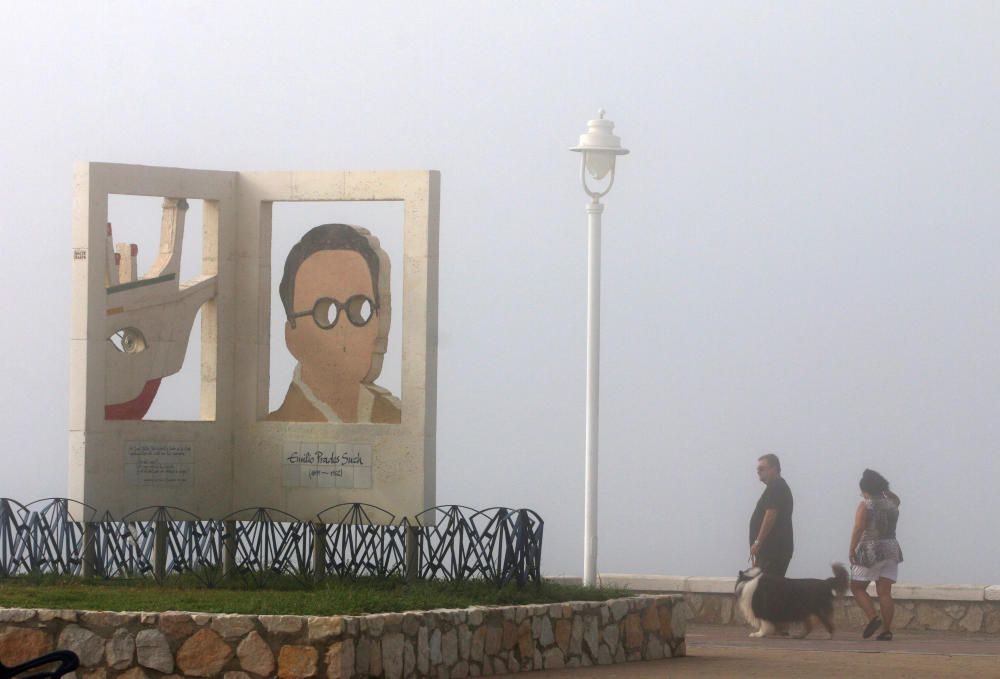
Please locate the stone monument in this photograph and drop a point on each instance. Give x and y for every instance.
(338, 436)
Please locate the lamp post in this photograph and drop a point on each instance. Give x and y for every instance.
(600, 148)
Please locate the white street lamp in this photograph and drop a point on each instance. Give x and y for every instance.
(600, 149)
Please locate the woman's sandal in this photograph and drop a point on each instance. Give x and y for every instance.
(885, 636)
(870, 628)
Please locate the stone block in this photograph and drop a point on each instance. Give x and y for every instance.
(930, 616)
(423, 649)
(324, 628)
(650, 618)
(340, 660)
(460, 670)
(297, 662)
(972, 621)
(134, 673)
(449, 647)
(546, 636)
(282, 624)
(375, 657)
(653, 649)
(633, 632)
(618, 608)
(991, 593)
(361, 652)
(494, 639)
(120, 649)
(203, 654)
(610, 635)
(392, 654)
(18, 645)
(177, 625)
(591, 636)
(255, 655)
(435, 647)
(88, 646)
(153, 650)
(710, 585)
(17, 615)
(525, 642)
(938, 592)
(563, 632)
(232, 626)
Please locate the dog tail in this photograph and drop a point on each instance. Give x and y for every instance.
(838, 583)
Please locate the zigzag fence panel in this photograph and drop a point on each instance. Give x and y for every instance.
(257, 546)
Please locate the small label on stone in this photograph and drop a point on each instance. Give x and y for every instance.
(326, 465)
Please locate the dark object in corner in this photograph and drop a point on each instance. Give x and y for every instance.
(67, 663)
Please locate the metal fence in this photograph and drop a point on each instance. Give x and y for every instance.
(255, 546)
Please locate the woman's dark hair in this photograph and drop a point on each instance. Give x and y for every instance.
(873, 483)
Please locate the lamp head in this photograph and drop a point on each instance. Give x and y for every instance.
(599, 147)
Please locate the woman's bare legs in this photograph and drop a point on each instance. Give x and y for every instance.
(885, 603)
(861, 596)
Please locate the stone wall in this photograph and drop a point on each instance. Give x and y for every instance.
(955, 608)
(449, 644)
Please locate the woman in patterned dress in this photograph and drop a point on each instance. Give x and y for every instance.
(875, 553)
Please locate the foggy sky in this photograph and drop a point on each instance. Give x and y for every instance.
(800, 254)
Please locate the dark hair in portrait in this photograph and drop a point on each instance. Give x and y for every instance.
(873, 483)
(317, 239)
(772, 461)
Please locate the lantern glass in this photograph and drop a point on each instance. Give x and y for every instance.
(599, 163)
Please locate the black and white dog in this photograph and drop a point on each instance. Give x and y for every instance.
(770, 601)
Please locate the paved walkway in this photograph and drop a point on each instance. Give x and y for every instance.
(725, 652)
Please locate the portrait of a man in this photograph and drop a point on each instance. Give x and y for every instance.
(335, 294)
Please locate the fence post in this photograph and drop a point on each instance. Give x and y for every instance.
(160, 550)
(89, 549)
(228, 548)
(319, 550)
(412, 552)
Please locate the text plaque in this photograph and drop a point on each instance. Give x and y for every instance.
(159, 463)
(326, 465)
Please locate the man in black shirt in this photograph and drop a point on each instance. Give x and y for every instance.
(771, 542)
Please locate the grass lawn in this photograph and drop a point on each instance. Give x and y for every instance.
(330, 597)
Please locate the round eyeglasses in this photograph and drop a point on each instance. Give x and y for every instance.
(326, 311)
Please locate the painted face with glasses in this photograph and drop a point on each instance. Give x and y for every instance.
(333, 327)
